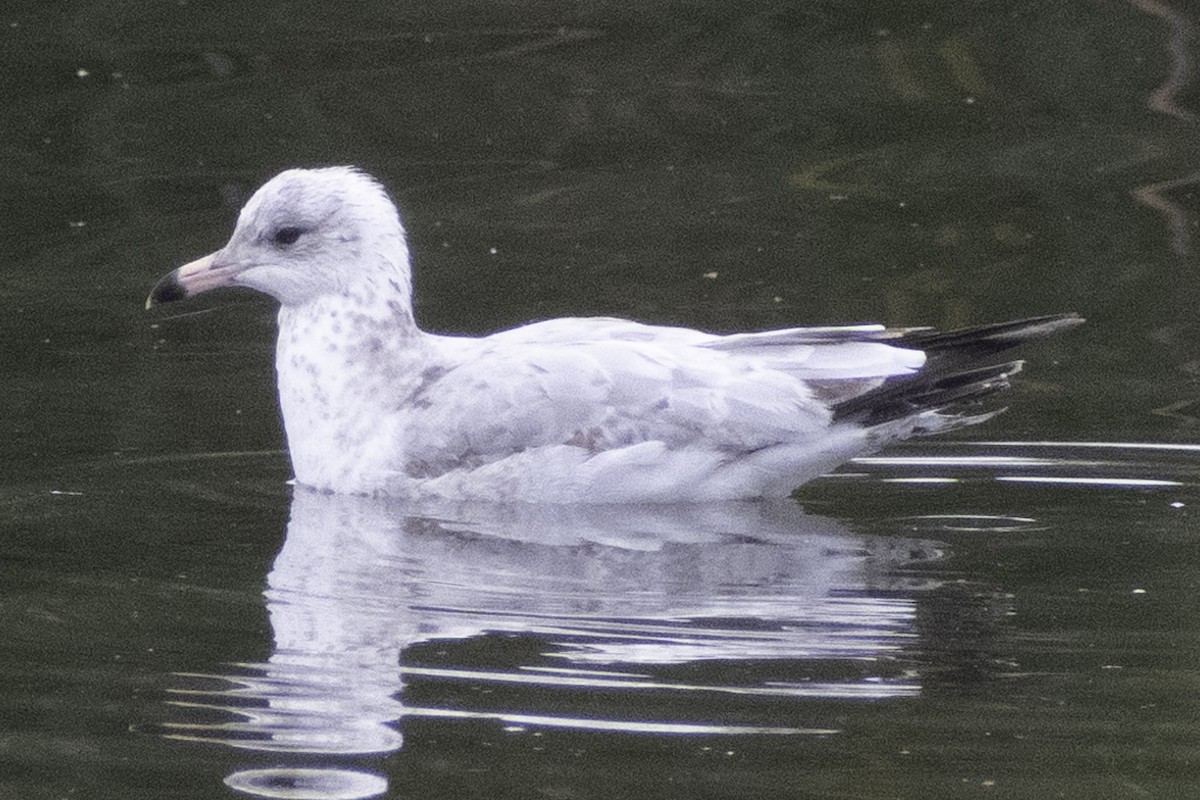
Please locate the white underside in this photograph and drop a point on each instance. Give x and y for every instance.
(648, 472)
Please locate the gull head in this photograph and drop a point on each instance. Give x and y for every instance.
(306, 234)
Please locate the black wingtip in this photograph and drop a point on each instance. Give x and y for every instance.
(950, 377)
(993, 338)
(934, 392)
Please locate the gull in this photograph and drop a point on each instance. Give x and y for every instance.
(571, 410)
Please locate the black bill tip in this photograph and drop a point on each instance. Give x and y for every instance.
(167, 290)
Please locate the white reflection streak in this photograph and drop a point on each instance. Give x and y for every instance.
(1127, 482)
(999, 462)
(618, 632)
(594, 672)
(1183, 448)
(622, 726)
(988, 517)
(872, 691)
(955, 461)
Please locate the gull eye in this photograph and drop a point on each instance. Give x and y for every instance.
(286, 236)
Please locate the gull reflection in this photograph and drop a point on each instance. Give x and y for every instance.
(616, 599)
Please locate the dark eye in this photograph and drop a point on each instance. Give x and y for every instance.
(287, 235)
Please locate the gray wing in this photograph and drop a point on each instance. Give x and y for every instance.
(606, 384)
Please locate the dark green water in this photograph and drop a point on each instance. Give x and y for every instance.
(962, 618)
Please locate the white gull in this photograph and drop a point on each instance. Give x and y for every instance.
(567, 410)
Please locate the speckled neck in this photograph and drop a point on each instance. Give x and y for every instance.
(343, 363)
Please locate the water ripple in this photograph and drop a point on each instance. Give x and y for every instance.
(307, 784)
(522, 616)
(1112, 465)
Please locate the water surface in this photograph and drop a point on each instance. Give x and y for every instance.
(1009, 611)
